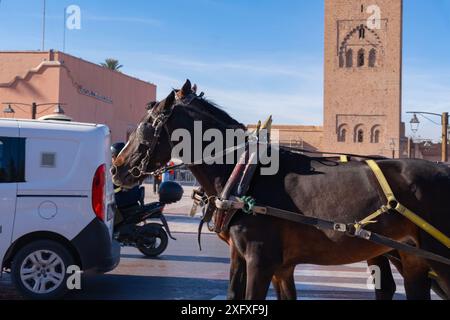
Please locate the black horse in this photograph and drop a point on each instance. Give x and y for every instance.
(266, 248)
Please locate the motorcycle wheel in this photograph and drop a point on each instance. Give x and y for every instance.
(154, 246)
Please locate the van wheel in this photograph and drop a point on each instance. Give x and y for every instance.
(39, 270)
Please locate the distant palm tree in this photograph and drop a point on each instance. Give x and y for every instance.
(111, 64)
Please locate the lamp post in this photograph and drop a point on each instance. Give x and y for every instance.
(392, 145)
(34, 108)
(415, 123)
(43, 23)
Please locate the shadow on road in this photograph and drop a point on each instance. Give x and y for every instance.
(119, 287)
(179, 258)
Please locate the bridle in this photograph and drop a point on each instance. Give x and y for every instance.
(155, 126)
(157, 123)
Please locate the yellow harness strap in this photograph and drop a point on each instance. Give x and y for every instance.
(421, 223)
(344, 159)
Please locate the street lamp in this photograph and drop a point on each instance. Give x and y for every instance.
(444, 120)
(393, 145)
(8, 110)
(415, 123)
(34, 108)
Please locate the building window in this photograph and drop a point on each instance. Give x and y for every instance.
(12, 160)
(342, 136)
(372, 58)
(362, 32)
(361, 58)
(349, 58)
(376, 135)
(360, 136)
(341, 60)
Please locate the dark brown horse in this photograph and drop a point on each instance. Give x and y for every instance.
(265, 248)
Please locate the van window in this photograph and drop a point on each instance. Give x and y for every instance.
(12, 160)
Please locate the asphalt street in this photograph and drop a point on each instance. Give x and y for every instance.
(185, 272)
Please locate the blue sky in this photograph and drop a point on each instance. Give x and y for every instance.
(253, 57)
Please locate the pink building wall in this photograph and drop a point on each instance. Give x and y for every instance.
(90, 93)
(28, 77)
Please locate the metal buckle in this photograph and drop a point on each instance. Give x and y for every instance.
(340, 227)
(364, 234)
(224, 204)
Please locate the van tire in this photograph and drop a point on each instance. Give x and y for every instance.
(28, 258)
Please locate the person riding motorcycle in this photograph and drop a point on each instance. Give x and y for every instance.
(124, 198)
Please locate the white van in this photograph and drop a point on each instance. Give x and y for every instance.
(56, 204)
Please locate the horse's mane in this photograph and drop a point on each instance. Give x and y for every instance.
(215, 111)
(212, 109)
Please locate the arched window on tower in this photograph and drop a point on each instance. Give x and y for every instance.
(359, 134)
(362, 32)
(341, 60)
(361, 58)
(372, 58)
(349, 58)
(376, 134)
(342, 134)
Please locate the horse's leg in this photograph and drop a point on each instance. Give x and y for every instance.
(284, 284)
(443, 273)
(417, 281)
(258, 281)
(238, 281)
(276, 283)
(260, 271)
(388, 286)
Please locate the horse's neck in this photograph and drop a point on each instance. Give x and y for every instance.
(212, 178)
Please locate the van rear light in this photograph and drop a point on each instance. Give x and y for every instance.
(99, 192)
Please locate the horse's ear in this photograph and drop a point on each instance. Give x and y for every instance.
(185, 90)
(170, 100)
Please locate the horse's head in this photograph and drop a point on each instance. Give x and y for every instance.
(150, 146)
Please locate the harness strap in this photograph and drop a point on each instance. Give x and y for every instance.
(384, 241)
(395, 205)
(298, 218)
(325, 225)
(371, 219)
(421, 223)
(381, 180)
(344, 159)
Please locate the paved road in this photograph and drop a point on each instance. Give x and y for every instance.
(184, 272)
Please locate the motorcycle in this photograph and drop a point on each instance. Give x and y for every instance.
(133, 226)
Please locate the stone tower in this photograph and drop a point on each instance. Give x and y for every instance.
(363, 77)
